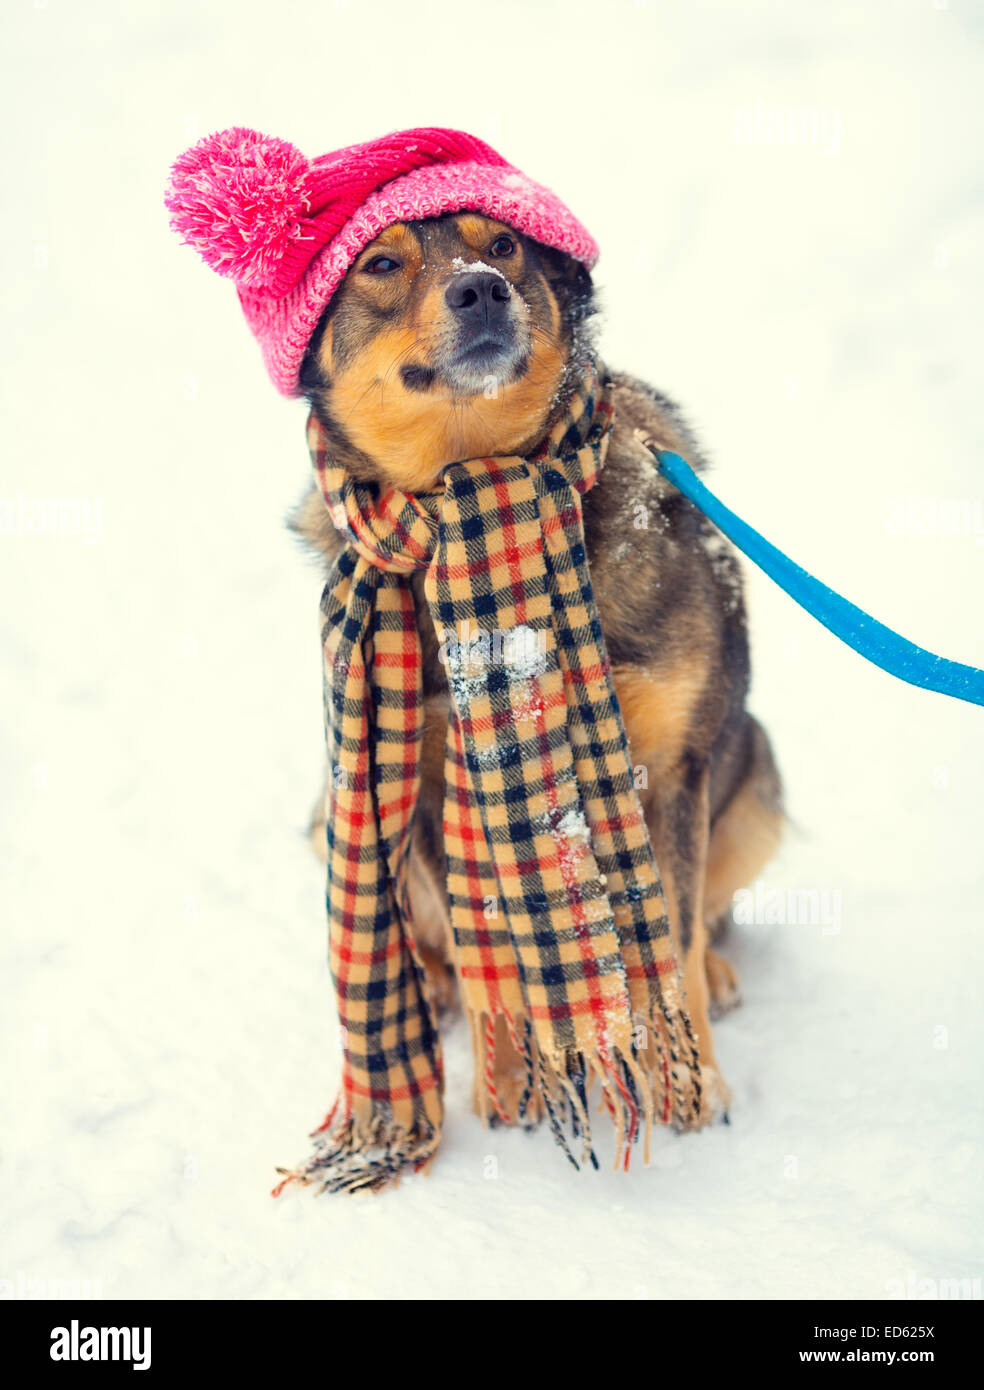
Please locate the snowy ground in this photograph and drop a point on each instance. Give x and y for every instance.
(787, 200)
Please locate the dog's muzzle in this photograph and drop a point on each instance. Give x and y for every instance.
(485, 342)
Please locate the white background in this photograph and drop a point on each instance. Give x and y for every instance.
(809, 286)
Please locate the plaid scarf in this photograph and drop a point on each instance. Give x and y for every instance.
(558, 915)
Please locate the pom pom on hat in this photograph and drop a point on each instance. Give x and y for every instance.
(240, 199)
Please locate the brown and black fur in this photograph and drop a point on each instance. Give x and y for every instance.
(383, 375)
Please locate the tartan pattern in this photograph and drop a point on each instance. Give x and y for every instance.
(556, 904)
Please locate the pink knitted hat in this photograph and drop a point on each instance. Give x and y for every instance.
(286, 228)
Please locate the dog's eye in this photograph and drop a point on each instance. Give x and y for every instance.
(502, 246)
(381, 265)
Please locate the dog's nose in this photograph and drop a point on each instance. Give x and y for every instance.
(478, 295)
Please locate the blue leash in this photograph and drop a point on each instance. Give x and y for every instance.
(858, 629)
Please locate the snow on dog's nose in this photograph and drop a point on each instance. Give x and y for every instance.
(479, 298)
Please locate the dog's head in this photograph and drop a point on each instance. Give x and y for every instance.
(449, 338)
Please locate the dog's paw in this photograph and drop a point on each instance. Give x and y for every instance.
(723, 986)
(510, 1090)
(715, 1100)
(715, 1097)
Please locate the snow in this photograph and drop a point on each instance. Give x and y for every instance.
(479, 267)
(168, 1032)
(524, 653)
(569, 831)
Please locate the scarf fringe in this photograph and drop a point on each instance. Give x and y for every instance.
(656, 1083)
(362, 1155)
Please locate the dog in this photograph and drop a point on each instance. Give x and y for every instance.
(458, 337)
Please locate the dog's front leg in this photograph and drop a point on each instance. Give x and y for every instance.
(677, 815)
